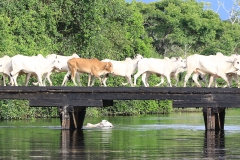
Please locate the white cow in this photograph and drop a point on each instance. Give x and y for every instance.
(64, 68)
(158, 66)
(214, 65)
(5, 68)
(173, 75)
(32, 65)
(102, 124)
(122, 68)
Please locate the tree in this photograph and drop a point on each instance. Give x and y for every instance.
(180, 24)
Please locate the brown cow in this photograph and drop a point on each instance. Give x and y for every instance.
(91, 66)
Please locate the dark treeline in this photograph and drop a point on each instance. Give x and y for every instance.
(114, 30)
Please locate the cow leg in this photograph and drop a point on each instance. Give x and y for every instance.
(65, 79)
(195, 78)
(47, 76)
(169, 80)
(148, 74)
(100, 80)
(89, 80)
(129, 79)
(11, 83)
(186, 78)
(176, 79)
(104, 80)
(93, 80)
(214, 81)
(73, 74)
(211, 79)
(162, 80)
(94, 72)
(14, 79)
(27, 78)
(136, 76)
(39, 78)
(230, 82)
(225, 78)
(144, 79)
(4, 79)
(78, 78)
(231, 77)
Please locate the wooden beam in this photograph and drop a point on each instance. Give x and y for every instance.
(196, 104)
(63, 102)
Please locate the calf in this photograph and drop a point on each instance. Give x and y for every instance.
(91, 66)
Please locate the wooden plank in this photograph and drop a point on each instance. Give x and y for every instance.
(32, 95)
(56, 103)
(138, 96)
(195, 104)
(161, 90)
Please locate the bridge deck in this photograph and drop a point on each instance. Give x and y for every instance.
(98, 96)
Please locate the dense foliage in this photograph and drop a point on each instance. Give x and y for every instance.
(110, 29)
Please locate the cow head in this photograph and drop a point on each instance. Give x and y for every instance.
(105, 123)
(138, 56)
(109, 67)
(57, 64)
(236, 63)
(181, 62)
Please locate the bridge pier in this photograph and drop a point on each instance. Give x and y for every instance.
(72, 117)
(214, 118)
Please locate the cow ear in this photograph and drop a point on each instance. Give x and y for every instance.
(231, 60)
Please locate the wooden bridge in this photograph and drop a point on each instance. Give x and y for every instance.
(72, 101)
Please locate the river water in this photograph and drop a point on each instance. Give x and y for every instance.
(173, 136)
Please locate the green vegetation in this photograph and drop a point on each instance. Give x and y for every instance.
(110, 29)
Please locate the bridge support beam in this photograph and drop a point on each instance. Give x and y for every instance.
(214, 118)
(72, 117)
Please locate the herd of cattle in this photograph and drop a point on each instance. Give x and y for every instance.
(213, 66)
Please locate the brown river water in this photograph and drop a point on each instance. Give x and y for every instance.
(173, 136)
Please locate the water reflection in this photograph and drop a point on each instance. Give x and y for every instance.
(214, 144)
(72, 142)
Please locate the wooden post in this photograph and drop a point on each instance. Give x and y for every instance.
(222, 117)
(214, 118)
(64, 117)
(78, 116)
(72, 117)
